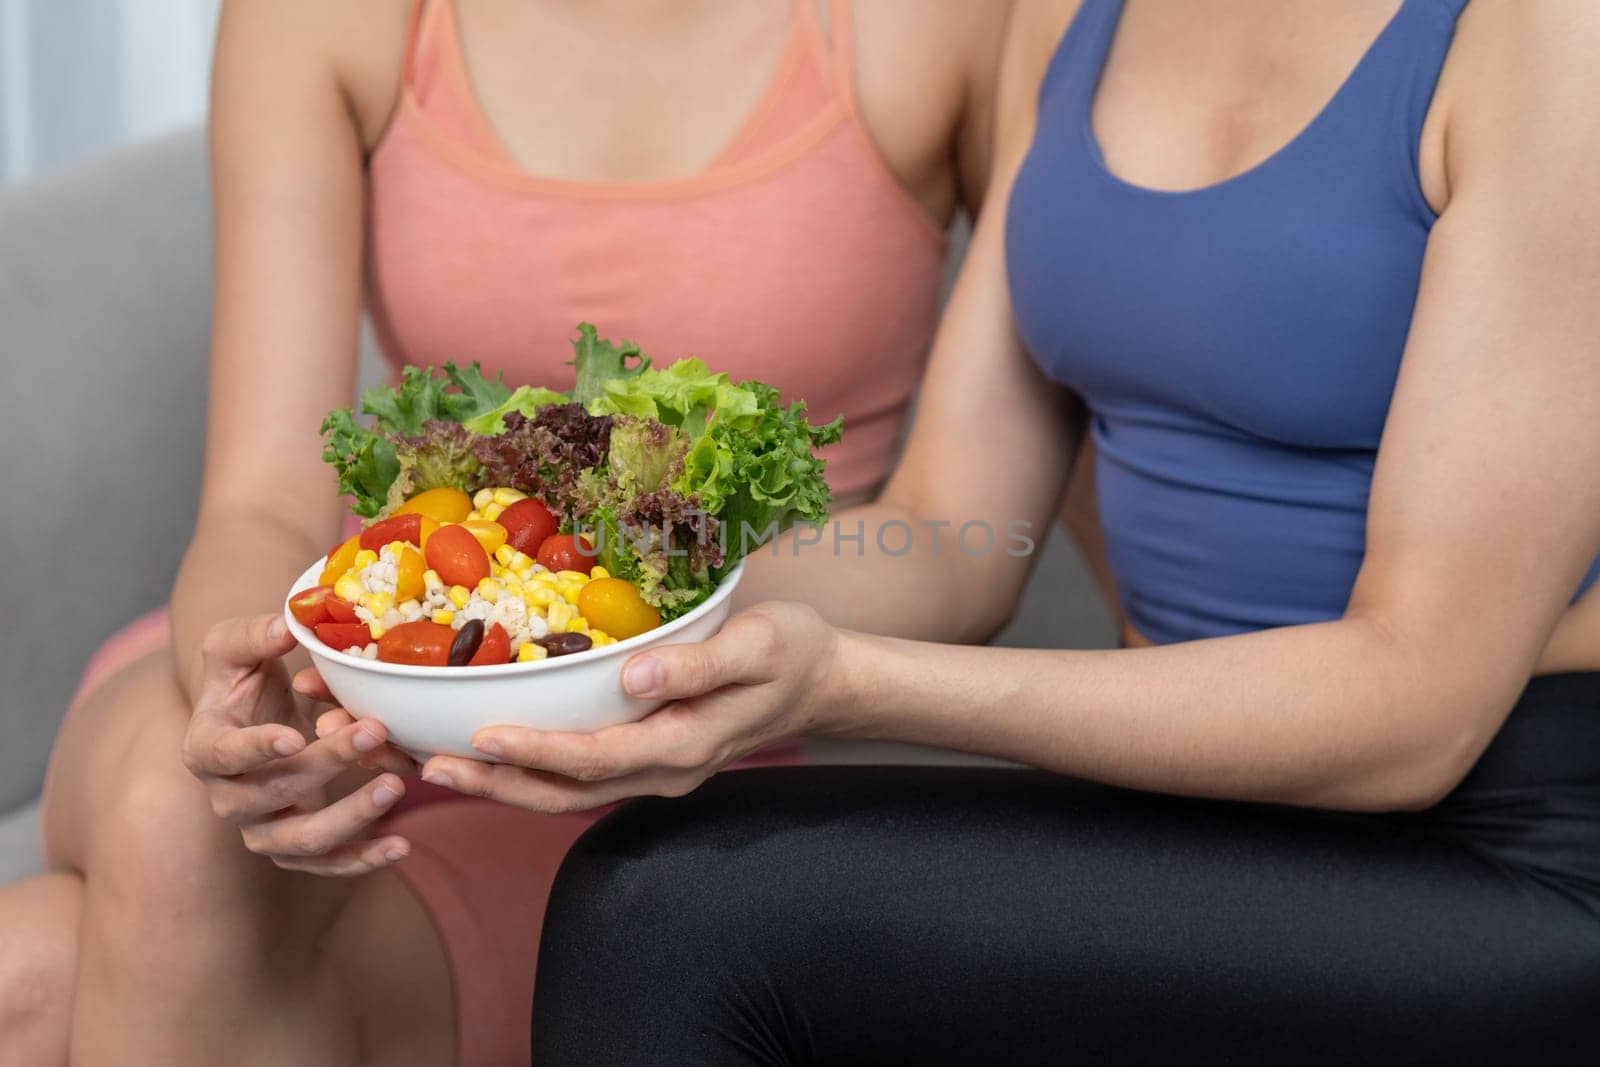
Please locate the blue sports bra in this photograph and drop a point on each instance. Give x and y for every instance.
(1237, 344)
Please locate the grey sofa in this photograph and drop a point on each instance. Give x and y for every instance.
(104, 312)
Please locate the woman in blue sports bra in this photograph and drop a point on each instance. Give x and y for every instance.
(1326, 276)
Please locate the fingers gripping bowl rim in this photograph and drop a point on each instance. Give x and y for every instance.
(436, 710)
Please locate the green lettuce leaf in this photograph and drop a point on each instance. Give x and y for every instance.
(365, 461)
(750, 459)
(475, 394)
(715, 467)
(442, 456)
(682, 395)
(768, 478)
(686, 395)
(645, 456)
(597, 361)
(525, 401)
(663, 543)
(424, 395)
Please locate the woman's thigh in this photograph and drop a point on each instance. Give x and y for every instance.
(121, 809)
(118, 745)
(172, 894)
(976, 916)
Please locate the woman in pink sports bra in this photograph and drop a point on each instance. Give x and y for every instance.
(763, 183)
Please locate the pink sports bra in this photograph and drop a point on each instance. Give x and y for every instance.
(795, 257)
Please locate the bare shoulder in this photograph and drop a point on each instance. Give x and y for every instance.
(1521, 85)
(1035, 31)
(1032, 37)
(945, 44)
(355, 48)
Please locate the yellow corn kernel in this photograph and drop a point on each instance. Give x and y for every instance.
(512, 586)
(543, 578)
(504, 555)
(570, 593)
(349, 588)
(520, 561)
(365, 558)
(377, 603)
(493, 511)
(490, 589)
(572, 576)
(394, 548)
(598, 572)
(506, 497)
(474, 514)
(432, 581)
(539, 596)
(578, 625)
(377, 628)
(459, 595)
(531, 653)
(443, 616)
(600, 637)
(482, 498)
(559, 614)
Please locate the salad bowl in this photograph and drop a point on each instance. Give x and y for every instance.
(433, 711)
(465, 484)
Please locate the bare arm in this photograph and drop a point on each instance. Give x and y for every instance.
(1483, 516)
(990, 445)
(286, 157)
(286, 162)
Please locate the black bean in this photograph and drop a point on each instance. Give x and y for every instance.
(565, 644)
(465, 646)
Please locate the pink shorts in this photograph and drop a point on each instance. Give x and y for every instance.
(481, 870)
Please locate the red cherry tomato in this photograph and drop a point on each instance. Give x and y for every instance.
(412, 527)
(420, 644)
(344, 635)
(528, 522)
(310, 606)
(496, 648)
(562, 553)
(457, 556)
(340, 609)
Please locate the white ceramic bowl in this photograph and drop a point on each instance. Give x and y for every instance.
(436, 710)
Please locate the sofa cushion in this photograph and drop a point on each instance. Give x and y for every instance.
(104, 297)
(21, 851)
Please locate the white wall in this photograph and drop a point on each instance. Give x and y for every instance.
(80, 76)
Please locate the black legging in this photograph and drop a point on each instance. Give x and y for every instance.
(964, 916)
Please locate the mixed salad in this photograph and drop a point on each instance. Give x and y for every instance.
(507, 525)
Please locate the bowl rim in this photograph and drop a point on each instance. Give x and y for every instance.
(311, 644)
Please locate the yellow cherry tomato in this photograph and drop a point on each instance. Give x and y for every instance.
(408, 584)
(440, 505)
(490, 534)
(340, 560)
(615, 606)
